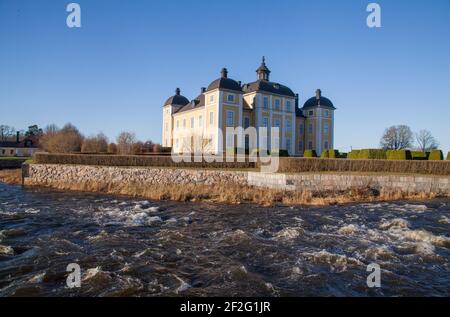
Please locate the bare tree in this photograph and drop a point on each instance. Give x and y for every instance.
(426, 141)
(138, 148)
(397, 138)
(95, 144)
(112, 148)
(156, 148)
(148, 146)
(125, 142)
(51, 129)
(66, 140)
(6, 132)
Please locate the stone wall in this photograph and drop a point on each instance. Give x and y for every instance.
(439, 185)
(36, 174)
(48, 174)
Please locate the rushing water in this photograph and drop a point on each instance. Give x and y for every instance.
(130, 247)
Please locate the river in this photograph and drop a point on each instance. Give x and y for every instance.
(130, 247)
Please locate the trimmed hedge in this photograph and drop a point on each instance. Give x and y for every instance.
(310, 153)
(333, 154)
(419, 155)
(287, 164)
(367, 154)
(448, 156)
(353, 155)
(283, 153)
(132, 160)
(302, 165)
(330, 154)
(398, 155)
(436, 155)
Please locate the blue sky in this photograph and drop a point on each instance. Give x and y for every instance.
(115, 72)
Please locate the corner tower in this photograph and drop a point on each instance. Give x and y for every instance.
(319, 123)
(171, 106)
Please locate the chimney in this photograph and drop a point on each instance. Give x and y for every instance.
(318, 94)
(202, 90)
(18, 137)
(177, 91)
(240, 83)
(224, 72)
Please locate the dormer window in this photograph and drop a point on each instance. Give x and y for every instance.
(311, 113)
(230, 98)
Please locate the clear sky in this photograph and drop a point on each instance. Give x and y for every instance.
(115, 72)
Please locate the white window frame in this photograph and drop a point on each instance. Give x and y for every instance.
(288, 106)
(277, 104)
(211, 118)
(192, 122)
(277, 123)
(265, 102)
(230, 120)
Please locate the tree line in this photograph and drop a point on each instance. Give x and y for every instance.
(69, 139)
(401, 137)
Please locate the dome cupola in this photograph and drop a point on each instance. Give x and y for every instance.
(263, 72)
(177, 99)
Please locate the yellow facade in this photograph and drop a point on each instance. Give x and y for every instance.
(202, 123)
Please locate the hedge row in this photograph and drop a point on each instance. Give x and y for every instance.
(436, 155)
(287, 164)
(399, 155)
(132, 160)
(367, 154)
(310, 153)
(299, 165)
(379, 154)
(330, 154)
(419, 155)
(448, 156)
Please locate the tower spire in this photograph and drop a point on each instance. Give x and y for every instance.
(263, 72)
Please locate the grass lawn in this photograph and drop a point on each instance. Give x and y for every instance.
(13, 158)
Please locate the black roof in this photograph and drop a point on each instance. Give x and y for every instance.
(299, 113)
(224, 83)
(177, 100)
(268, 86)
(9, 144)
(321, 101)
(194, 104)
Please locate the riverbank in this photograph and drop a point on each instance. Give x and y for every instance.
(11, 176)
(235, 187)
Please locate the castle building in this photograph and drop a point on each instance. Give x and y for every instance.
(196, 125)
